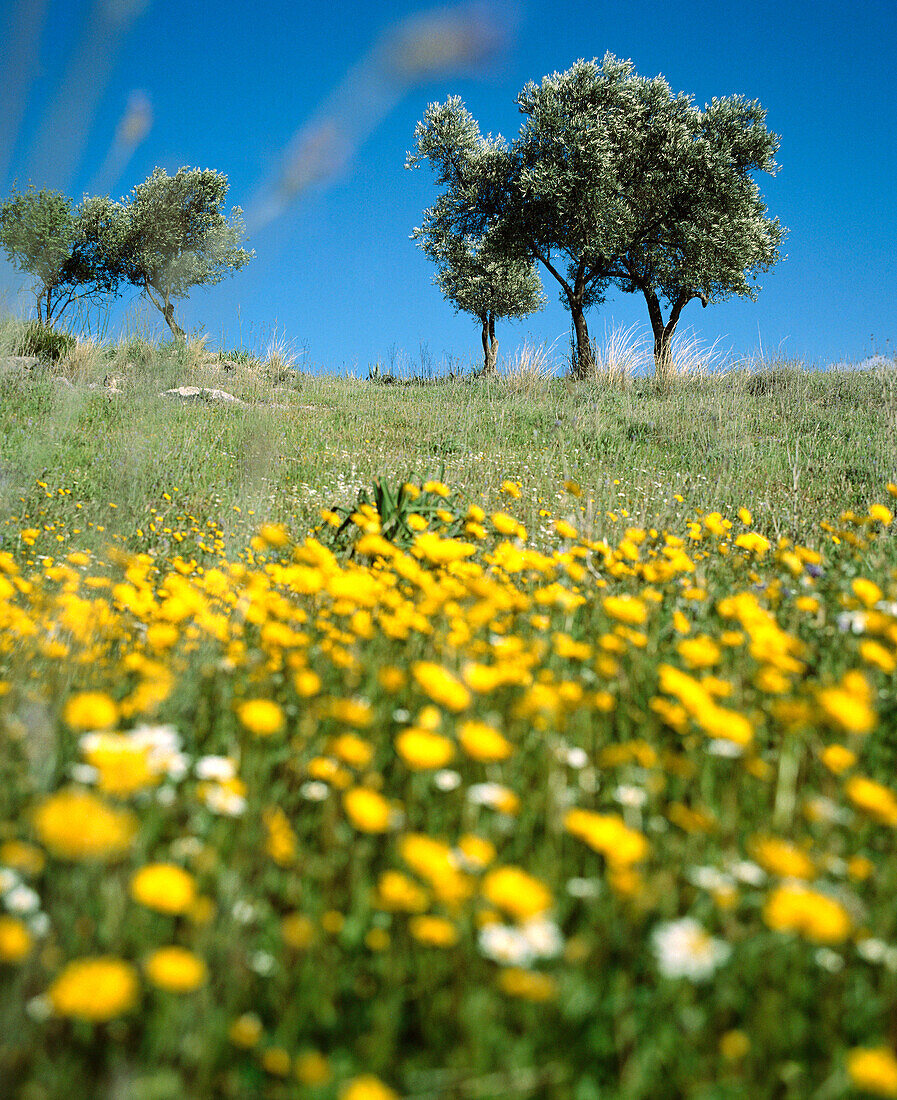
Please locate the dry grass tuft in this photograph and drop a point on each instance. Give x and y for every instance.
(195, 355)
(529, 369)
(82, 362)
(688, 357)
(623, 355)
(280, 360)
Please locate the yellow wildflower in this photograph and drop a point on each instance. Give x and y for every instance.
(837, 758)
(866, 591)
(21, 855)
(873, 1069)
(438, 487)
(476, 850)
(245, 1031)
(398, 893)
(15, 940)
(699, 652)
(442, 551)
(95, 989)
(75, 824)
(516, 892)
(262, 717)
(312, 1068)
(368, 1087)
(276, 1061)
(625, 609)
(281, 840)
(441, 686)
(433, 931)
(352, 750)
(164, 887)
(875, 654)
(91, 710)
(367, 810)
(483, 742)
(796, 908)
(848, 709)
(176, 969)
(125, 766)
(753, 542)
(531, 985)
(297, 931)
(734, 1044)
(505, 524)
(781, 858)
(873, 798)
(421, 748)
(608, 834)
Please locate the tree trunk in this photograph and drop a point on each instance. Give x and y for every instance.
(490, 344)
(663, 333)
(168, 314)
(164, 307)
(582, 368)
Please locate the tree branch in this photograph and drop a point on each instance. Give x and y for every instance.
(543, 259)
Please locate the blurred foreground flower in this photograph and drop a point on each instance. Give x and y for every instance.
(75, 824)
(685, 950)
(95, 989)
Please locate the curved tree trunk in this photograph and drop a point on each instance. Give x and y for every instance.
(165, 307)
(168, 314)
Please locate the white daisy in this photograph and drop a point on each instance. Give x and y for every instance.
(685, 950)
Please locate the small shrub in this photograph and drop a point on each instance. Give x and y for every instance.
(47, 343)
(386, 511)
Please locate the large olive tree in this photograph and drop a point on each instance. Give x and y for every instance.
(614, 180)
(171, 235)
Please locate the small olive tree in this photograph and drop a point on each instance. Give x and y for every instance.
(65, 249)
(170, 235)
(478, 278)
(614, 180)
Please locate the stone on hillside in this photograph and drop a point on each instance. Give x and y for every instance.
(19, 362)
(202, 394)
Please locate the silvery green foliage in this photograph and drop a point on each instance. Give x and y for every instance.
(473, 268)
(171, 235)
(476, 275)
(614, 180)
(63, 248)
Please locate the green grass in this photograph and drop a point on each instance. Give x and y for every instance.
(790, 444)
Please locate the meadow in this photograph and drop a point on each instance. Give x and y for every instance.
(482, 738)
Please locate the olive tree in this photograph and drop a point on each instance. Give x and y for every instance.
(614, 180)
(171, 235)
(64, 248)
(478, 277)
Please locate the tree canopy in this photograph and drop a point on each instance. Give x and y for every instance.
(170, 235)
(614, 180)
(62, 247)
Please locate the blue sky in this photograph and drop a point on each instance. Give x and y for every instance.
(336, 275)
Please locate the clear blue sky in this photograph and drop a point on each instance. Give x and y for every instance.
(230, 84)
